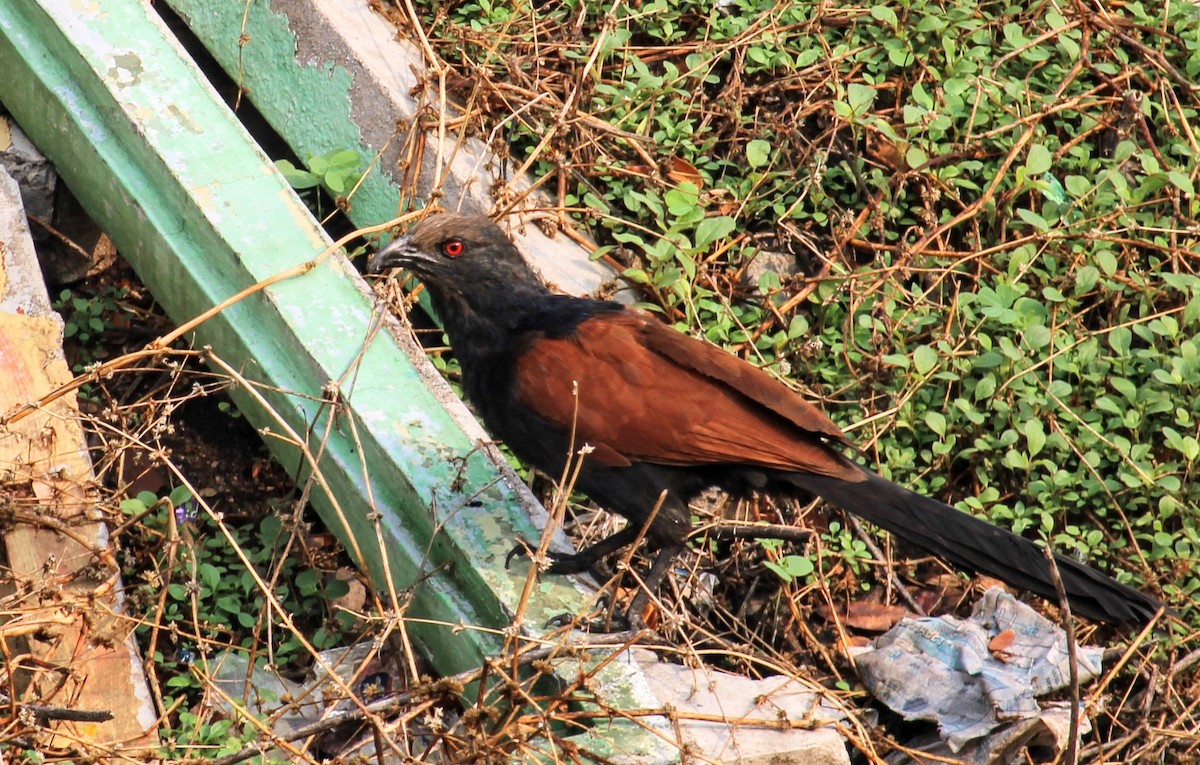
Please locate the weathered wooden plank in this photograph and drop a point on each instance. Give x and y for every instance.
(60, 582)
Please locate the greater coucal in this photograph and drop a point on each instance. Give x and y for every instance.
(668, 416)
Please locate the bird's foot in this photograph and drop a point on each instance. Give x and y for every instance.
(605, 626)
(560, 563)
(570, 563)
(521, 550)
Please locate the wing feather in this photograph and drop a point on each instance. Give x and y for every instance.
(641, 392)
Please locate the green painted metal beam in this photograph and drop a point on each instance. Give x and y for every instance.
(164, 167)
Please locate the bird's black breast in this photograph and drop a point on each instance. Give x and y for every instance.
(490, 373)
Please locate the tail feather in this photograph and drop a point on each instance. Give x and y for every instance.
(976, 545)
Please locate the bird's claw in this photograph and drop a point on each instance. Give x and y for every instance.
(610, 625)
(560, 563)
(564, 620)
(521, 549)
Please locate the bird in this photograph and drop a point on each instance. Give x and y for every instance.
(666, 416)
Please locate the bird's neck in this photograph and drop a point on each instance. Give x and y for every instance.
(487, 326)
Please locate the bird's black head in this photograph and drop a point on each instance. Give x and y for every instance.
(454, 254)
(482, 289)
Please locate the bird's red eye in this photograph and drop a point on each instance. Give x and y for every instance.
(453, 248)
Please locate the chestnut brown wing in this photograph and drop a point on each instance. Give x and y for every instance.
(745, 378)
(646, 393)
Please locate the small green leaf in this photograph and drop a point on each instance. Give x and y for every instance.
(1033, 219)
(921, 95)
(1119, 340)
(1106, 404)
(1085, 279)
(792, 567)
(1191, 311)
(1016, 460)
(347, 158)
(682, 199)
(985, 388)
(1077, 185)
(1167, 506)
(1015, 35)
(1181, 181)
(179, 495)
(1107, 262)
(711, 229)
(758, 153)
(1037, 336)
(318, 165)
(860, 98)
(1039, 161)
(1059, 388)
(336, 588)
(916, 157)
(936, 421)
(269, 528)
(924, 359)
(308, 581)
(886, 15)
(1126, 388)
(989, 360)
(210, 575)
(1035, 436)
(298, 179)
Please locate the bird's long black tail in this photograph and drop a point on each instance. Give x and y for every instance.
(976, 545)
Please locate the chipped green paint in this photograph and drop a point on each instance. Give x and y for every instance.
(311, 104)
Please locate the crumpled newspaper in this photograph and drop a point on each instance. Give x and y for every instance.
(950, 671)
(1008, 745)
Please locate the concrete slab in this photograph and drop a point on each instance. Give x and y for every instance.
(735, 719)
(67, 241)
(31, 170)
(22, 290)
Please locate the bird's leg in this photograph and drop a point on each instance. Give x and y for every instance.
(654, 577)
(574, 563)
(585, 558)
(634, 616)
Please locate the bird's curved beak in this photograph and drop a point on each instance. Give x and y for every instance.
(396, 253)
